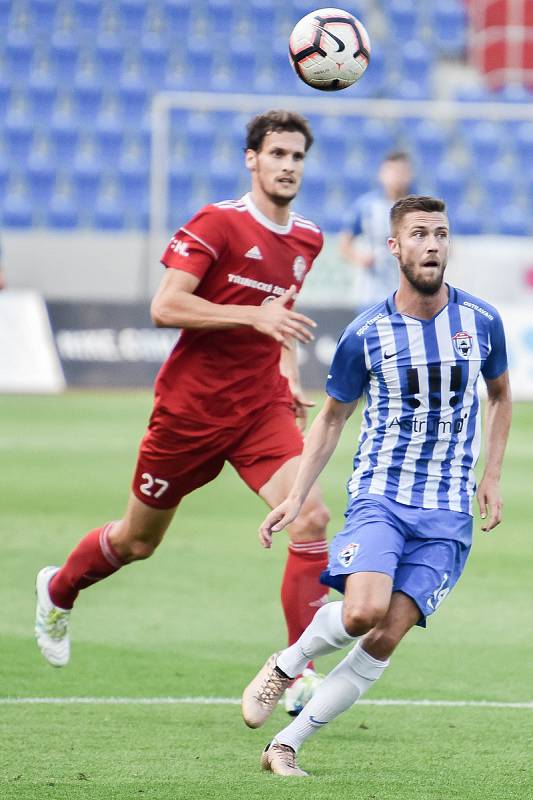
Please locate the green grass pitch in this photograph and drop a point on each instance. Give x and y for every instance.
(201, 616)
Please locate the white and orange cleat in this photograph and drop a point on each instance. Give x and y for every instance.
(51, 622)
(261, 696)
(281, 760)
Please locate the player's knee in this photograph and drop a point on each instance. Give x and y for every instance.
(311, 523)
(358, 618)
(381, 643)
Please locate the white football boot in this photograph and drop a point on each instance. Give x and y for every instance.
(51, 622)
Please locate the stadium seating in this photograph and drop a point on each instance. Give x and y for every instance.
(78, 78)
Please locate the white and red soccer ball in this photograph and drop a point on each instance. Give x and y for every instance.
(329, 49)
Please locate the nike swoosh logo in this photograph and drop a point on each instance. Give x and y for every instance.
(390, 355)
(316, 721)
(339, 42)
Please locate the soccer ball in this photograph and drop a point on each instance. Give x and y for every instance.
(329, 49)
(301, 691)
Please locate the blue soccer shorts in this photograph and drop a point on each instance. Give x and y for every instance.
(424, 550)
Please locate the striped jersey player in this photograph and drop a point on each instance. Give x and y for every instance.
(415, 358)
(421, 430)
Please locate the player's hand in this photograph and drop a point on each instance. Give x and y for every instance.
(490, 503)
(274, 319)
(279, 518)
(301, 404)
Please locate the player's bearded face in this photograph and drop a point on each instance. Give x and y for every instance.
(421, 247)
(277, 167)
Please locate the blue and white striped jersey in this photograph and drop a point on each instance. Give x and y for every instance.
(421, 429)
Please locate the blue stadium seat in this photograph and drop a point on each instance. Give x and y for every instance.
(474, 94)
(132, 176)
(86, 176)
(523, 144)
(499, 183)
(109, 137)
(180, 184)
(224, 181)
(41, 174)
(332, 134)
(263, 19)
(43, 14)
(417, 61)
(221, 15)
(42, 93)
(64, 133)
(18, 132)
(88, 14)
(154, 53)
(403, 18)
(176, 15)
(4, 174)
(5, 12)
(19, 48)
(374, 81)
(410, 90)
(512, 220)
(176, 78)
(64, 54)
(201, 137)
(450, 184)
(429, 140)
(108, 212)
(109, 53)
(374, 137)
(356, 179)
(485, 142)
(62, 212)
(468, 220)
(131, 15)
(17, 210)
(87, 94)
(132, 96)
(449, 27)
(513, 93)
(5, 92)
(199, 55)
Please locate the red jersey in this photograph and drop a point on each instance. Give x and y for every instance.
(241, 257)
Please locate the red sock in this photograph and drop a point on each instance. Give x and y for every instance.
(91, 561)
(301, 593)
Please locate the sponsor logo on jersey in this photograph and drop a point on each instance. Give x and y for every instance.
(252, 283)
(347, 554)
(254, 252)
(480, 309)
(462, 343)
(299, 268)
(429, 425)
(179, 247)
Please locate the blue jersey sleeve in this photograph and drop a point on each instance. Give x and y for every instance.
(496, 361)
(348, 374)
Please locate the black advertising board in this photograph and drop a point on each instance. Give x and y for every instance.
(115, 345)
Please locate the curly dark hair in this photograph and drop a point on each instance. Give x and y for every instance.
(414, 203)
(276, 120)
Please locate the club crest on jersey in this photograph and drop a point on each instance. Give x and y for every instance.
(462, 343)
(299, 268)
(347, 554)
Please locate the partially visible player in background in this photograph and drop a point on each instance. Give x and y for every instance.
(363, 240)
(416, 358)
(229, 391)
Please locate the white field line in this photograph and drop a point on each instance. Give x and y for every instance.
(234, 701)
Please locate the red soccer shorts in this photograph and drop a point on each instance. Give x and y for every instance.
(177, 456)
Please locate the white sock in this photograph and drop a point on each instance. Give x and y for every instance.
(324, 634)
(341, 688)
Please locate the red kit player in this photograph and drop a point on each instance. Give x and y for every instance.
(229, 391)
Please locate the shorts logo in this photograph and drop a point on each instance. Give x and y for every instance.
(462, 343)
(299, 267)
(439, 594)
(347, 554)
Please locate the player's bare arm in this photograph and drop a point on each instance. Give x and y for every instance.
(176, 306)
(356, 255)
(497, 424)
(320, 443)
(288, 367)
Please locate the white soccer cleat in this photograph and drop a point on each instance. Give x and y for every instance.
(261, 696)
(281, 760)
(51, 622)
(301, 691)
